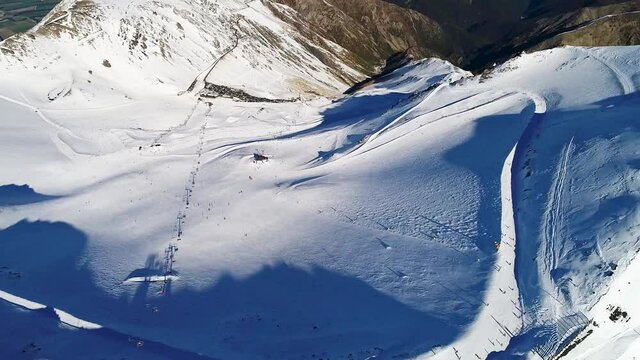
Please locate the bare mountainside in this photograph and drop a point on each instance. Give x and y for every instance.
(372, 30)
(470, 34)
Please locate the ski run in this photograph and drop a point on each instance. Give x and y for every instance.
(433, 214)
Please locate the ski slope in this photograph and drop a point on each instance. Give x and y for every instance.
(433, 214)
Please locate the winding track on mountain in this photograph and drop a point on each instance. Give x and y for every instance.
(40, 114)
(184, 123)
(503, 289)
(62, 145)
(209, 69)
(626, 83)
(588, 23)
(500, 96)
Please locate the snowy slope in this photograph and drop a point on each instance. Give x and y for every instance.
(433, 214)
(577, 205)
(113, 52)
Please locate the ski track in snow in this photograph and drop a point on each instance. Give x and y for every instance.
(40, 115)
(554, 212)
(626, 83)
(62, 145)
(501, 309)
(427, 123)
(399, 120)
(503, 306)
(162, 135)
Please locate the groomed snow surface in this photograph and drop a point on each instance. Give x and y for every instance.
(432, 215)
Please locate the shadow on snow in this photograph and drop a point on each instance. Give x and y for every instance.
(554, 131)
(280, 311)
(11, 195)
(42, 262)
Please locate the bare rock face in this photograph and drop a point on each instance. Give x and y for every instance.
(611, 25)
(491, 31)
(471, 34)
(371, 30)
(362, 34)
(475, 23)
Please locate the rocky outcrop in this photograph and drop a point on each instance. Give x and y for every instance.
(370, 30)
(613, 25)
(352, 38)
(550, 24)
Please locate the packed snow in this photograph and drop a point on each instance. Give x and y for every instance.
(433, 214)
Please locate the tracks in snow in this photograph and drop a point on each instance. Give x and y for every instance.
(172, 249)
(62, 145)
(158, 138)
(501, 317)
(503, 314)
(40, 115)
(626, 83)
(553, 217)
(500, 96)
(205, 74)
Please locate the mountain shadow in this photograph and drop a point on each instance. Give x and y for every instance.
(11, 195)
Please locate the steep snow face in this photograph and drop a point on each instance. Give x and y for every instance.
(576, 191)
(429, 215)
(113, 51)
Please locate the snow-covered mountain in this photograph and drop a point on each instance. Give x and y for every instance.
(167, 44)
(184, 179)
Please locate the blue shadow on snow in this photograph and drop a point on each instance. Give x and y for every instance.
(280, 311)
(11, 195)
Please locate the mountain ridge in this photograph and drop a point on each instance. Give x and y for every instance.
(471, 35)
